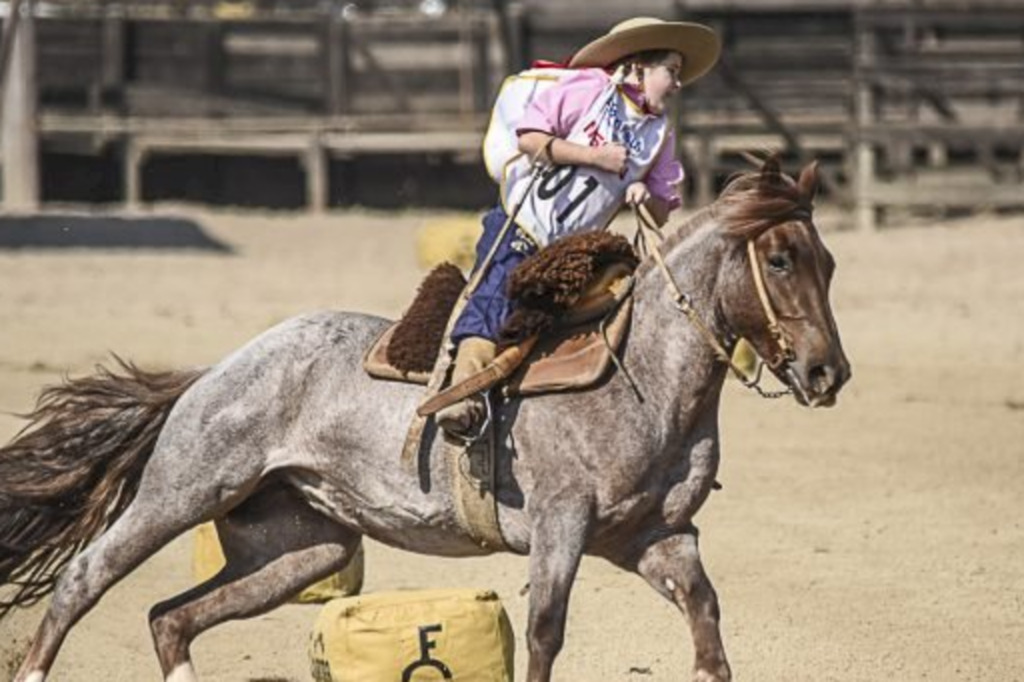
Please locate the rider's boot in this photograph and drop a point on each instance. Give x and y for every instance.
(464, 418)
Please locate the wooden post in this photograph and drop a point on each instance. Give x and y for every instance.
(704, 182)
(336, 72)
(466, 53)
(213, 56)
(134, 157)
(864, 105)
(112, 64)
(516, 37)
(316, 167)
(486, 35)
(902, 149)
(986, 158)
(19, 131)
(500, 35)
(938, 154)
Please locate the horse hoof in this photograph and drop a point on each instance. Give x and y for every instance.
(721, 675)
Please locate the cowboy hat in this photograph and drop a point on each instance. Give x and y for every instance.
(698, 44)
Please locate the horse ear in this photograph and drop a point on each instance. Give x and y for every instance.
(771, 171)
(808, 182)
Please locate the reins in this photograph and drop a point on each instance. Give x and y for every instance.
(649, 233)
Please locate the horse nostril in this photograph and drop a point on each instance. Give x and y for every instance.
(821, 378)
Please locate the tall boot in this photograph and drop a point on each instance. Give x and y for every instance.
(464, 418)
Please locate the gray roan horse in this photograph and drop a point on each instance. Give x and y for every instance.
(295, 451)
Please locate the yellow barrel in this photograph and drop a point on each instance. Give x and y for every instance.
(423, 636)
(452, 239)
(208, 559)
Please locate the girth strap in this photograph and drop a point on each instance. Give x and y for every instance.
(472, 470)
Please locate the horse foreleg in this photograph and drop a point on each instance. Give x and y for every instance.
(275, 545)
(559, 536)
(673, 567)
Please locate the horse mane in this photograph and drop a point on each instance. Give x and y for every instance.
(751, 203)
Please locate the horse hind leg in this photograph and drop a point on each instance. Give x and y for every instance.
(275, 545)
(139, 533)
(173, 496)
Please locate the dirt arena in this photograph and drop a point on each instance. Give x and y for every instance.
(882, 539)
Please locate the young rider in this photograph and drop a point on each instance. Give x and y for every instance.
(604, 133)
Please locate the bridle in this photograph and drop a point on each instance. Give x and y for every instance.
(784, 354)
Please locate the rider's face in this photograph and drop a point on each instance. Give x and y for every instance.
(661, 81)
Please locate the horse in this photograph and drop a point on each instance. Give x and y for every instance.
(294, 451)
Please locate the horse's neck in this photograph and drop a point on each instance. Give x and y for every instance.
(675, 365)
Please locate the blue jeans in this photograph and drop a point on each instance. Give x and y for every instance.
(488, 307)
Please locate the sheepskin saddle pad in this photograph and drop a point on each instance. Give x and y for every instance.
(572, 308)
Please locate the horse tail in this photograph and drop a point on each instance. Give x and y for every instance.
(69, 474)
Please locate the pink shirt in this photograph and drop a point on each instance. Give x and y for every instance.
(557, 109)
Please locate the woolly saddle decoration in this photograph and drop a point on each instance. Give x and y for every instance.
(418, 336)
(547, 284)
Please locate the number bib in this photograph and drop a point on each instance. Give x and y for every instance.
(569, 199)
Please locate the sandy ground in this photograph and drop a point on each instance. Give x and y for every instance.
(883, 539)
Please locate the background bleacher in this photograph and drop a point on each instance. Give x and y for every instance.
(319, 104)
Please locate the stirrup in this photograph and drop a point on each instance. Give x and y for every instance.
(469, 440)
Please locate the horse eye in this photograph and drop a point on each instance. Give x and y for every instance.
(780, 262)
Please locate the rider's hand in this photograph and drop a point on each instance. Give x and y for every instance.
(610, 157)
(637, 193)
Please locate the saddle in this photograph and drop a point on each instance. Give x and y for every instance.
(543, 349)
(573, 311)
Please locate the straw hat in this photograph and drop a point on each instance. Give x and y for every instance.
(698, 44)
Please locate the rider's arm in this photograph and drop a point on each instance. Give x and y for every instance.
(552, 115)
(664, 180)
(609, 157)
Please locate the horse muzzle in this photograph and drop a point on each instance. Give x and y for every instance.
(817, 384)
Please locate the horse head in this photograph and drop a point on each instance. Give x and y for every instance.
(775, 281)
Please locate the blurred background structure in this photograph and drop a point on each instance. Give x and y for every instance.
(909, 105)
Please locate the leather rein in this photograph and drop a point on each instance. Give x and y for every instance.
(784, 354)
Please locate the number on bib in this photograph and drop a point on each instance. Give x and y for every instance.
(555, 179)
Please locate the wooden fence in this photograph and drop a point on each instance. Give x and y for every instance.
(907, 104)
